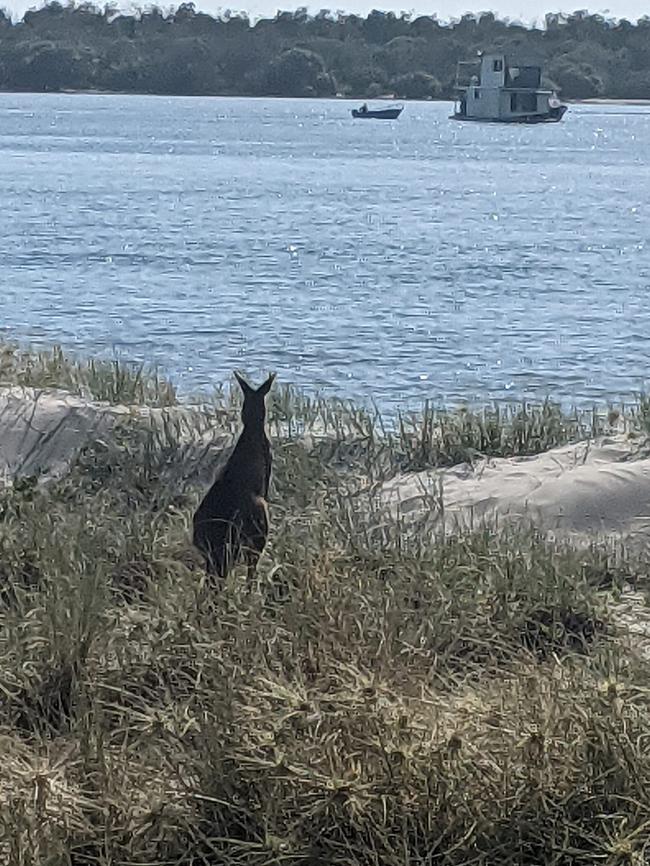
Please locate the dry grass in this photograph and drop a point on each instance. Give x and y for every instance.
(109, 381)
(375, 699)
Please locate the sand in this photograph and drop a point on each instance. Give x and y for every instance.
(584, 494)
(595, 489)
(42, 431)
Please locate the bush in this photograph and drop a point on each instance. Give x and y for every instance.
(298, 72)
(417, 85)
(578, 82)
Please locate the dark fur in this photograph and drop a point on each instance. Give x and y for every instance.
(231, 523)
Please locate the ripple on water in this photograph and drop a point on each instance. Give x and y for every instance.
(397, 261)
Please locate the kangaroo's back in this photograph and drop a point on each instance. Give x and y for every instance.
(249, 465)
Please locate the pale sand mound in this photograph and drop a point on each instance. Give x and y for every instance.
(581, 493)
(598, 488)
(42, 431)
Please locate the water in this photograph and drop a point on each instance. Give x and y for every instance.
(392, 261)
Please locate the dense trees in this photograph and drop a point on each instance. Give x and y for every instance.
(294, 54)
(295, 72)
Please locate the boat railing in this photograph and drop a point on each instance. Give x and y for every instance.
(526, 90)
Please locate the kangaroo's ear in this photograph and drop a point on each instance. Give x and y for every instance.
(243, 384)
(265, 387)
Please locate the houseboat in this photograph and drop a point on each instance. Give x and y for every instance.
(496, 89)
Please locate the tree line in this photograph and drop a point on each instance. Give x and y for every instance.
(80, 47)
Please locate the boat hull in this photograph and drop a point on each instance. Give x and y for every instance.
(555, 115)
(384, 114)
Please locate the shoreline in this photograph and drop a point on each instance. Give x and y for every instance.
(606, 101)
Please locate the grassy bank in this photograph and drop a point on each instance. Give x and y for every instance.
(338, 429)
(377, 698)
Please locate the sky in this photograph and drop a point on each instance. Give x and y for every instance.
(522, 10)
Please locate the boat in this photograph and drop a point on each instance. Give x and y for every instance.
(496, 89)
(378, 113)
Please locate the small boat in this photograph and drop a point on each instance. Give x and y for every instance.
(498, 90)
(378, 113)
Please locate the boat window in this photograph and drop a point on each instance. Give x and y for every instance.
(513, 102)
(498, 65)
(523, 76)
(477, 93)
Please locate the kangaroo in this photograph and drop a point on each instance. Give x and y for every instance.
(232, 521)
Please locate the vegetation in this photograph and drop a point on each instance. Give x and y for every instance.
(376, 698)
(338, 430)
(294, 54)
(109, 381)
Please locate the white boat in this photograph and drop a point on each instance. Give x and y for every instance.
(495, 89)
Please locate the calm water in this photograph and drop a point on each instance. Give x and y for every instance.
(397, 261)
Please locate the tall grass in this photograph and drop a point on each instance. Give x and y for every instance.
(339, 430)
(377, 697)
(110, 381)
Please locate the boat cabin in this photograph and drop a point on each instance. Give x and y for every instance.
(495, 88)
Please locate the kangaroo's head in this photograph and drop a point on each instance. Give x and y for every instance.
(253, 411)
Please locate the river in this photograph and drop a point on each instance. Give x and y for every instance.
(392, 261)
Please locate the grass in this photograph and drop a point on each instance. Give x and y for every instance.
(109, 381)
(341, 431)
(377, 698)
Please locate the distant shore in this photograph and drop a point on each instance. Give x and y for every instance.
(604, 101)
